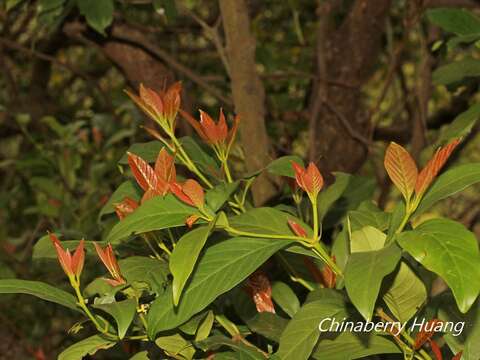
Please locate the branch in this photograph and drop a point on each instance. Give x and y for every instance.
(33, 53)
(124, 33)
(211, 32)
(351, 131)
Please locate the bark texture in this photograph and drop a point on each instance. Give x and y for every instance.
(248, 92)
(346, 53)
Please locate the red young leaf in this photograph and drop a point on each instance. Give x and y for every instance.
(172, 101)
(125, 207)
(191, 220)
(165, 166)
(427, 331)
(310, 179)
(436, 350)
(233, 131)
(109, 260)
(143, 172)
(149, 194)
(152, 99)
(401, 169)
(194, 191)
(260, 289)
(177, 190)
(78, 258)
(297, 229)
(313, 269)
(328, 276)
(433, 167)
(458, 356)
(196, 125)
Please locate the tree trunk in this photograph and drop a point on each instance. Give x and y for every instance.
(346, 54)
(248, 92)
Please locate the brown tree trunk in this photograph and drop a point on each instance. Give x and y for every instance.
(248, 92)
(346, 54)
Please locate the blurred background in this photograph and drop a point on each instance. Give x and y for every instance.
(332, 81)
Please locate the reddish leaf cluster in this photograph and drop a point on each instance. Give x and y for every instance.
(109, 260)
(403, 171)
(154, 181)
(259, 287)
(125, 207)
(309, 179)
(161, 106)
(326, 276)
(214, 134)
(72, 265)
(426, 333)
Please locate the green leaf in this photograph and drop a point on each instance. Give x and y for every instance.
(200, 156)
(126, 189)
(461, 125)
(99, 14)
(144, 269)
(176, 346)
(450, 183)
(192, 325)
(358, 190)
(458, 21)
(266, 221)
(222, 266)
(456, 71)
(448, 249)
(367, 238)
(242, 351)
(268, 325)
(40, 290)
(205, 327)
(142, 355)
(88, 346)
(184, 257)
(216, 197)
(148, 151)
(368, 214)
(468, 340)
(462, 39)
(331, 194)
(155, 214)
(122, 311)
(350, 345)
(283, 166)
(364, 274)
(302, 332)
(406, 294)
(284, 296)
(44, 249)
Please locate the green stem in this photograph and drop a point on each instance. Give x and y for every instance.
(147, 241)
(293, 274)
(172, 238)
(316, 248)
(411, 342)
(266, 236)
(83, 306)
(315, 219)
(189, 163)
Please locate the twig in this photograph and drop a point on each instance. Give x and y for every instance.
(15, 46)
(136, 39)
(211, 32)
(351, 131)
